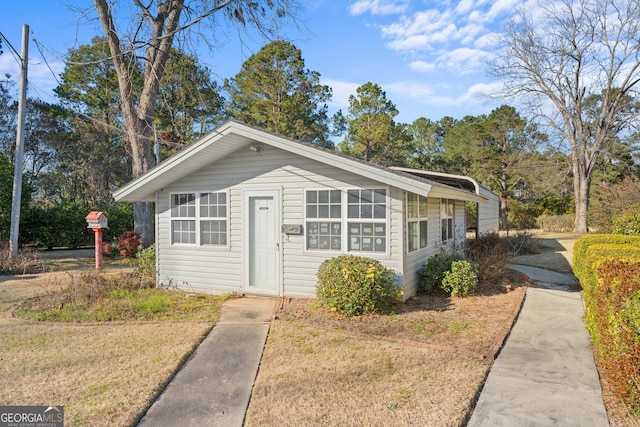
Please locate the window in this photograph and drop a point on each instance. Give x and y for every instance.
(205, 217)
(324, 215)
(183, 218)
(213, 219)
(360, 217)
(446, 215)
(369, 234)
(416, 214)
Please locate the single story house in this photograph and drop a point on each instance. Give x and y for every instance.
(244, 210)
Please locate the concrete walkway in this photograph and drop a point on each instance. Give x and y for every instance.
(213, 387)
(545, 374)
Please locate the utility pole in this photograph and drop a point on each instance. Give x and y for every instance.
(17, 174)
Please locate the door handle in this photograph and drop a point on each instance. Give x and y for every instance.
(277, 247)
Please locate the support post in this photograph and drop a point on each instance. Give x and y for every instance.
(98, 243)
(17, 172)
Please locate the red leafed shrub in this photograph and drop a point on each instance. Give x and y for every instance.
(129, 243)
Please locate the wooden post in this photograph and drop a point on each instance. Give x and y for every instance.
(17, 174)
(98, 243)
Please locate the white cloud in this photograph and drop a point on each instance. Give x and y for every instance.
(40, 79)
(8, 65)
(480, 92)
(440, 28)
(421, 31)
(463, 60)
(378, 7)
(471, 100)
(341, 91)
(502, 6)
(422, 66)
(464, 7)
(411, 89)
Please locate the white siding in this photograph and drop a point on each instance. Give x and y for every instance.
(220, 270)
(413, 261)
(488, 213)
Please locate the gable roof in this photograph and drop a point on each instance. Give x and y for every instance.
(232, 136)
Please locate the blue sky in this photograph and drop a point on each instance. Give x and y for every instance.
(428, 56)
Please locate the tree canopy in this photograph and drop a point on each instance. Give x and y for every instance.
(274, 91)
(372, 133)
(150, 35)
(561, 55)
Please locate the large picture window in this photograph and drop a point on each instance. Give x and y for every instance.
(357, 215)
(446, 215)
(416, 212)
(199, 218)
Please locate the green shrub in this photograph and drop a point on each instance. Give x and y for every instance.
(461, 279)
(146, 261)
(490, 252)
(608, 267)
(628, 223)
(63, 224)
(353, 285)
(582, 263)
(614, 323)
(432, 273)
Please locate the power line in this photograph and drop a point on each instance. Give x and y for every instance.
(38, 45)
(15, 52)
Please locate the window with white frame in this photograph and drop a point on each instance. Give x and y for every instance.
(213, 219)
(199, 220)
(324, 219)
(446, 215)
(416, 214)
(367, 220)
(183, 218)
(360, 217)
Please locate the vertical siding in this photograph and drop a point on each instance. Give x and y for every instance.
(220, 270)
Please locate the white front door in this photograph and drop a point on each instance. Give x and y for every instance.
(262, 270)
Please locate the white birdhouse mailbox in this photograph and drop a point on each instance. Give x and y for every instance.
(97, 219)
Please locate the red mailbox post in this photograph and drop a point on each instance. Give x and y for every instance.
(97, 221)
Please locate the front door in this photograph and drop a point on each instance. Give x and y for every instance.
(262, 243)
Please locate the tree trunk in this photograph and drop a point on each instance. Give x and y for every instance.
(138, 119)
(503, 213)
(143, 222)
(581, 184)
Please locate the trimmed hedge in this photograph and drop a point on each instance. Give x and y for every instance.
(582, 264)
(608, 267)
(64, 225)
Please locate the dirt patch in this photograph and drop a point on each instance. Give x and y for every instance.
(471, 325)
(422, 364)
